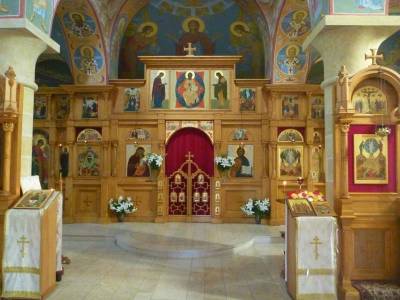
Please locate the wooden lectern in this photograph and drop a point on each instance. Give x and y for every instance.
(30, 260)
(311, 250)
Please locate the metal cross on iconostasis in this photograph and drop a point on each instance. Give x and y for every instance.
(190, 50)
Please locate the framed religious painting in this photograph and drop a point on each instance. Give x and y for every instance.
(159, 89)
(370, 159)
(132, 100)
(317, 107)
(88, 161)
(290, 161)
(243, 160)
(247, 99)
(41, 156)
(369, 100)
(191, 91)
(290, 107)
(40, 107)
(62, 107)
(90, 107)
(136, 166)
(220, 93)
(300, 207)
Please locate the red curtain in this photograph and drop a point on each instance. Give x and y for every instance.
(195, 141)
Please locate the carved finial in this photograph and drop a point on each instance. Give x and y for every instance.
(190, 50)
(10, 74)
(373, 56)
(342, 73)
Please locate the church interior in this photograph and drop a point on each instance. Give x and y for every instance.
(200, 149)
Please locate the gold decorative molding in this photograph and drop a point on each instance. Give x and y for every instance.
(345, 127)
(8, 127)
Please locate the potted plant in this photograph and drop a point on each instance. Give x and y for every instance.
(154, 161)
(224, 164)
(258, 208)
(122, 206)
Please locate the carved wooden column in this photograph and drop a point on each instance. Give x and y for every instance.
(344, 129)
(114, 153)
(8, 128)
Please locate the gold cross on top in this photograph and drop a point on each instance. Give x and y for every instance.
(190, 50)
(22, 242)
(373, 56)
(316, 243)
(189, 156)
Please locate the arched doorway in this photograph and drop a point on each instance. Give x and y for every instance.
(189, 168)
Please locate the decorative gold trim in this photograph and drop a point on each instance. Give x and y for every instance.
(315, 272)
(316, 297)
(29, 270)
(21, 294)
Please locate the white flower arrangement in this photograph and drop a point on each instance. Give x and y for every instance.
(122, 205)
(256, 207)
(154, 160)
(224, 162)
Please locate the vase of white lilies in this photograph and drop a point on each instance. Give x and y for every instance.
(122, 206)
(258, 208)
(154, 161)
(224, 164)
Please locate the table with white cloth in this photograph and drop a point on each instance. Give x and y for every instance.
(311, 257)
(32, 245)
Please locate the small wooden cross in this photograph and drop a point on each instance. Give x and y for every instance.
(316, 243)
(190, 50)
(374, 56)
(189, 156)
(23, 241)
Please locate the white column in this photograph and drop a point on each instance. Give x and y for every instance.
(21, 49)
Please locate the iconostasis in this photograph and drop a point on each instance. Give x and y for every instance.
(101, 134)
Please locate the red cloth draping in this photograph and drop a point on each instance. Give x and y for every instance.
(195, 141)
(372, 188)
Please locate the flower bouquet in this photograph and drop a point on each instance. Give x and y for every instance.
(122, 206)
(224, 164)
(154, 161)
(310, 196)
(258, 208)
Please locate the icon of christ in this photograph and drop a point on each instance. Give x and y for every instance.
(190, 89)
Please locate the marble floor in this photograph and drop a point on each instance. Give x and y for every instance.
(172, 261)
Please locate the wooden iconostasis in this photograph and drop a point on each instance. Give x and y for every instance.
(98, 135)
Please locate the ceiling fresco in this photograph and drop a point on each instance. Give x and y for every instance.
(95, 35)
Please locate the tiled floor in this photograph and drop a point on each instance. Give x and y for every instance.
(231, 261)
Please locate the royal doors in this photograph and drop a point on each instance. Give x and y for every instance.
(189, 171)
